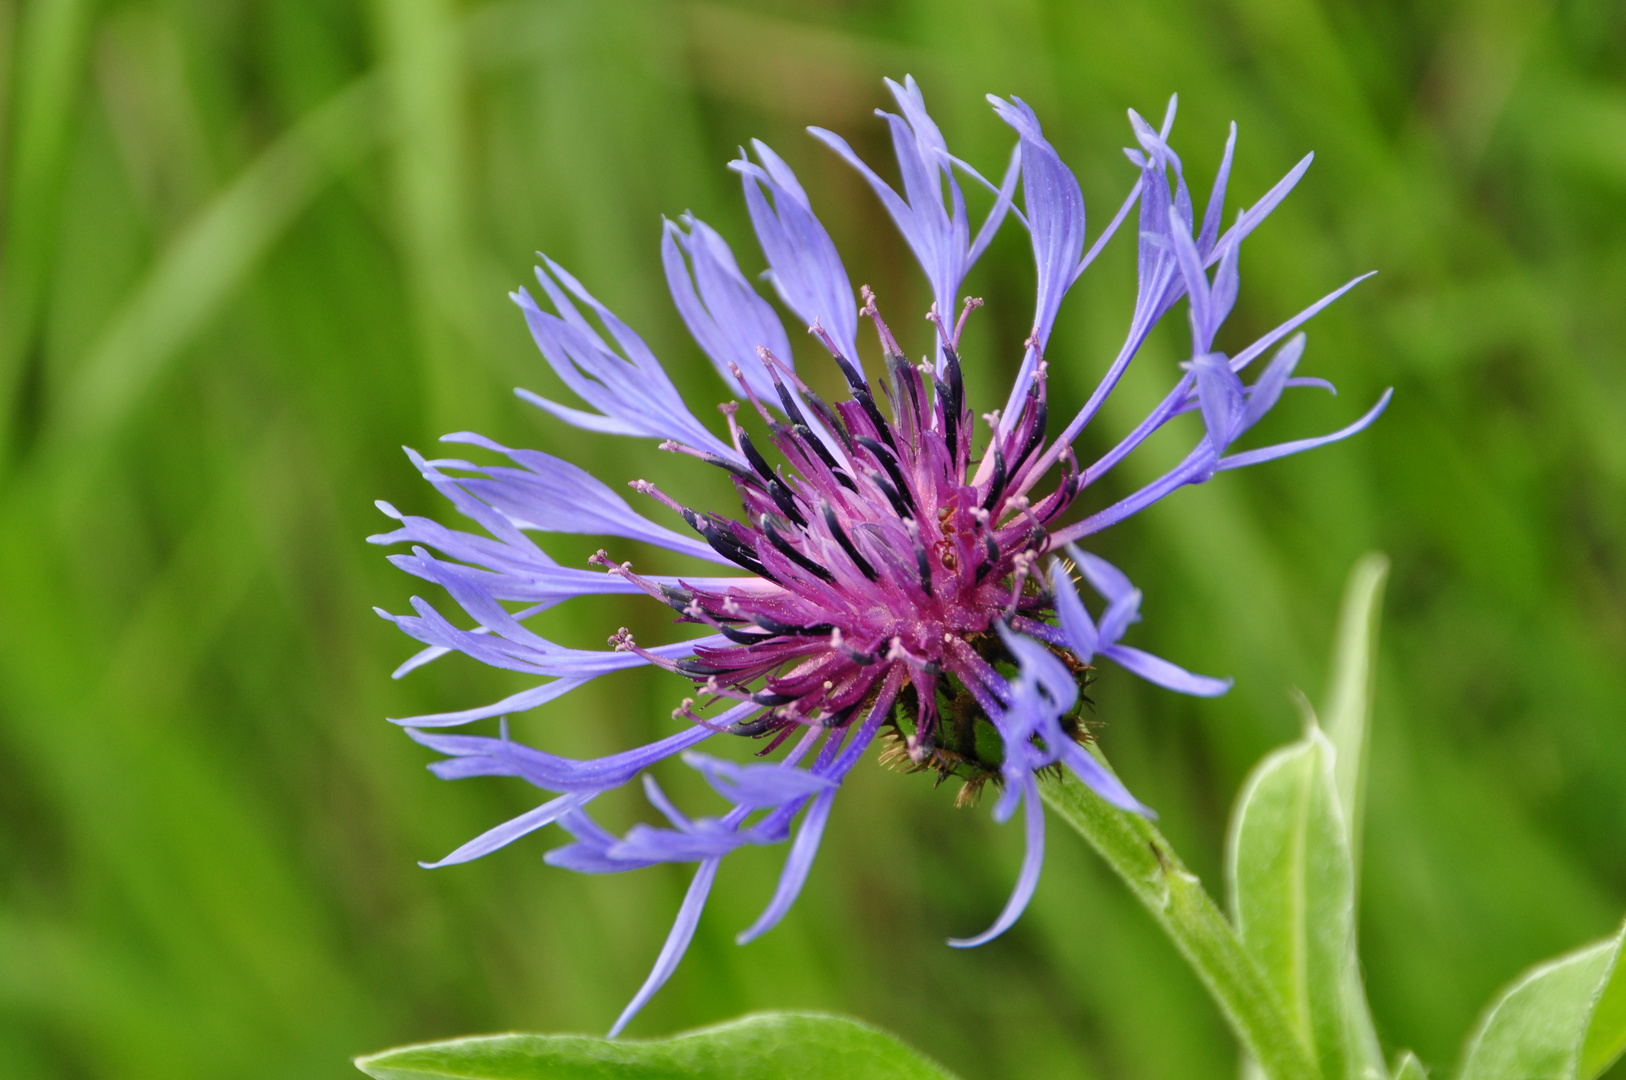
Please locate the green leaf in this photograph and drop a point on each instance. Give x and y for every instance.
(1291, 857)
(1348, 720)
(1349, 702)
(1174, 897)
(766, 1046)
(1292, 892)
(1561, 1020)
(1606, 1035)
(1407, 1067)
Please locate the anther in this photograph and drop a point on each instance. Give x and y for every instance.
(996, 486)
(784, 547)
(889, 462)
(847, 545)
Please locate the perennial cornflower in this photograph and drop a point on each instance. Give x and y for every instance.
(898, 583)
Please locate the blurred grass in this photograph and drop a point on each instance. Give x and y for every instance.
(251, 248)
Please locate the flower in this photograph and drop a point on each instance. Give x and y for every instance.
(895, 581)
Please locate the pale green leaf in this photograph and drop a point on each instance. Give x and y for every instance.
(1407, 1067)
(767, 1046)
(1348, 717)
(1348, 711)
(1292, 893)
(1606, 1035)
(1541, 1027)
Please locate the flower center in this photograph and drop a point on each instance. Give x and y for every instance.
(885, 553)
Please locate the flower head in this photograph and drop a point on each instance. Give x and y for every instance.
(901, 569)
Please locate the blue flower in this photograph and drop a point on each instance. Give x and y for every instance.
(884, 581)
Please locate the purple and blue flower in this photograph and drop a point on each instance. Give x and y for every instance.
(901, 573)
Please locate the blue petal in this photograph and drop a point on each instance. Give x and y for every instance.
(677, 942)
(802, 260)
(629, 388)
(1157, 670)
(1100, 780)
(1112, 583)
(1026, 881)
(1221, 395)
(508, 706)
(1270, 453)
(478, 755)
(797, 864)
(757, 786)
(722, 311)
(552, 495)
(1038, 667)
(1252, 352)
(1055, 213)
(512, 830)
(1216, 199)
(1267, 389)
(1250, 219)
(1075, 618)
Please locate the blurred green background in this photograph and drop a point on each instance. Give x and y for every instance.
(251, 247)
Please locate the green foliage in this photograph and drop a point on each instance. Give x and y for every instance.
(1407, 1067)
(1293, 896)
(767, 1046)
(1290, 868)
(1238, 978)
(253, 246)
(1547, 1025)
(1606, 1030)
(1349, 705)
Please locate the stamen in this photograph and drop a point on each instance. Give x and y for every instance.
(951, 425)
(750, 394)
(724, 544)
(805, 434)
(831, 419)
(846, 543)
(972, 303)
(744, 637)
(1041, 413)
(870, 310)
(889, 462)
(854, 377)
(996, 487)
(922, 560)
(1022, 563)
(774, 626)
(866, 401)
(786, 502)
(787, 400)
(990, 560)
(753, 727)
(899, 507)
(730, 411)
(784, 547)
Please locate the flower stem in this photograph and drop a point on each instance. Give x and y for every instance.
(1134, 848)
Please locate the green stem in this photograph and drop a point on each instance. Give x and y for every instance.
(1134, 848)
